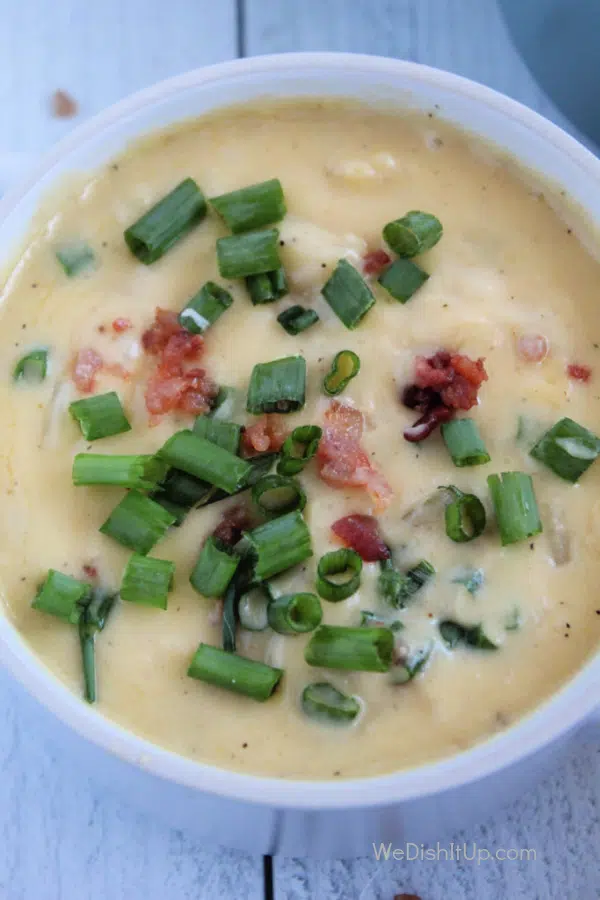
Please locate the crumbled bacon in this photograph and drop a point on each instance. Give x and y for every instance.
(342, 461)
(236, 520)
(375, 261)
(267, 434)
(121, 325)
(90, 571)
(166, 324)
(361, 533)
(85, 366)
(428, 422)
(579, 373)
(533, 348)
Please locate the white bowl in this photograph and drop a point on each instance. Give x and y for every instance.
(267, 815)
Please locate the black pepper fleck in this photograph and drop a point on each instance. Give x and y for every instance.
(115, 167)
(569, 231)
(24, 326)
(337, 772)
(244, 745)
(567, 625)
(532, 546)
(282, 243)
(323, 265)
(105, 243)
(34, 285)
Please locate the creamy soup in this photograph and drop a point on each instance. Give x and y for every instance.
(473, 604)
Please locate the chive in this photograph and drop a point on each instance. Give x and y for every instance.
(252, 206)
(410, 668)
(137, 522)
(231, 608)
(141, 472)
(279, 544)
(414, 233)
(348, 294)
(299, 447)
(277, 386)
(204, 308)
(338, 574)
(147, 581)
(345, 367)
(515, 506)
(323, 702)
(223, 434)
(253, 253)
(181, 489)
(276, 495)
(252, 609)
(453, 634)
(224, 404)
(76, 258)
(465, 517)
(370, 619)
(295, 613)
(33, 367)
(267, 287)
(568, 449)
(100, 416)
(464, 442)
(93, 620)
(234, 673)
(296, 319)
(397, 588)
(62, 596)
(205, 460)
(352, 649)
(402, 279)
(166, 222)
(472, 579)
(214, 569)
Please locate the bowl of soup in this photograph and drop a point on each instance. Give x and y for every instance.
(301, 501)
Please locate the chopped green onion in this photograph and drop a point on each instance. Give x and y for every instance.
(184, 490)
(296, 319)
(299, 447)
(267, 287)
(231, 604)
(323, 702)
(166, 222)
(214, 569)
(410, 668)
(513, 620)
(252, 206)
(76, 258)
(345, 367)
(253, 253)
(224, 434)
(137, 522)
(515, 506)
(453, 634)
(348, 294)
(205, 460)
(279, 544)
(277, 386)
(370, 619)
(464, 442)
(276, 495)
(224, 404)
(402, 279)
(295, 613)
(413, 234)
(352, 649)
(472, 579)
(465, 517)
(338, 574)
(234, 673)
(100, 416)
(397, 588)
(93, 620)
(568, 449)
(252, 609)
(62, 596)
(141, 472)
(33, 367)
(147, 581)
(204, 308)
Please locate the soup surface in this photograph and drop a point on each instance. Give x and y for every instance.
(509, 284)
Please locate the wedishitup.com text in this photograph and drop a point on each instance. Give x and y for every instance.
(468, 850)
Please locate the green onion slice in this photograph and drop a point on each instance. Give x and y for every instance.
(33, 367)
(141, 472)
(252, 609)
(398, 588)
(410, 668)
(62, 596)
(137, 522)
(516, 508)
(279, 544)
(205, 460)
(276, 495)
(224, 434)
(402, 279)
(267, 287)
(295, 613)
(76, 258)
(299, 447)
(413, 234)
(214, 569)
(100, 416)
(277, 386)
(253, 253)
(296, 319)
(205, 307)
(465, 517)
(93, 620)
(472, 579)
(147, 581)
(338, 574)
(370, 619)
(464, 442)
(167, 222)
(568, 449)
(252, 206)
(323, 702)
(454, 634)
(225, 404)
(348, 294)
(352, 649)
(234, 673)
(345, 367)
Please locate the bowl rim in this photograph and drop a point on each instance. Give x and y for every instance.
(555, 716)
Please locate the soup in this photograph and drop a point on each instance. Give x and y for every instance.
(326, 443)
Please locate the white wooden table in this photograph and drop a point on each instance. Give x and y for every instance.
(60, 838)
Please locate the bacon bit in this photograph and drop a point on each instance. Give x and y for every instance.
(90, 571)
(121, 325)
(236, 520)
(265, 435)
(85, 366)
(374, 261)
(428, 422)
(361, 533)
(579, 373)
(533, 348)
(63, 105)
(166, 324)
(341, 459)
